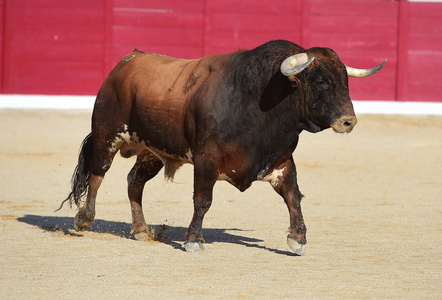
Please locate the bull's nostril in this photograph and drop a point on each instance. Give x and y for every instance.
(344, 124)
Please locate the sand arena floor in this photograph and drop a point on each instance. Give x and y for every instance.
(373, 210)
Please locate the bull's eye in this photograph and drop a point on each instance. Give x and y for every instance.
(321, 83)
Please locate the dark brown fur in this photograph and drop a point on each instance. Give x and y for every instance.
(234, 116)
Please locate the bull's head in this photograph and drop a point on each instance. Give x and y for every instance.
(323, 79)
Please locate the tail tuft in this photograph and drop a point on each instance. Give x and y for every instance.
(80, 178)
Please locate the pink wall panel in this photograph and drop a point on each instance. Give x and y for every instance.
(56, 47)
(169, 27)
(232, 25)
(69, 46)
(170, 5)
(363, 33)
(2, 23)
(424, 52)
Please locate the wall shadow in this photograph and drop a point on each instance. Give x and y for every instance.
(166, 234)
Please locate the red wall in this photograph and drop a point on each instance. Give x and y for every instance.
(2, 23)
(69, 46)
(419, 76)
(172, 27)
(53, 47)
(363, 33)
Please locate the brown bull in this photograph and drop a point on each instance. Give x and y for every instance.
(235, 117)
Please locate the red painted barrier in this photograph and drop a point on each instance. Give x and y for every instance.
(68, 47)
(422, 60)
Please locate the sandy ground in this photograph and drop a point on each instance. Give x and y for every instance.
(372, 209)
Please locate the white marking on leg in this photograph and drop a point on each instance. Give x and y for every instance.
(125, 137)
(136, 139)
(125, 141)
(120, 138)
(275, 177)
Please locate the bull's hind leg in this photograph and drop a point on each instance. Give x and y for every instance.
(109, 133)
(100, 164)
(106, 144)
(86, 215)
(145, 168)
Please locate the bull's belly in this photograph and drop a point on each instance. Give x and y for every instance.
(236, 171)
(130, 143)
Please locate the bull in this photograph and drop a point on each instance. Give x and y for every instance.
(235, 117)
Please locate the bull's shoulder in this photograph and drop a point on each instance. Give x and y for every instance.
(214, 62)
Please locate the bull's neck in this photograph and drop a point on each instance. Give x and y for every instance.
(254, 74)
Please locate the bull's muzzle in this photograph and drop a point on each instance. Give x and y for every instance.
(344, 124)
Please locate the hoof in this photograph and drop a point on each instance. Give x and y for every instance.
(196, 247)
(81, 225)
(144, 236)
(296, 247)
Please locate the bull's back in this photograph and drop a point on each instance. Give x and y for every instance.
(152, 76)
(155, 93)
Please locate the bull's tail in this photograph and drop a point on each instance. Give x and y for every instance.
(80, 178)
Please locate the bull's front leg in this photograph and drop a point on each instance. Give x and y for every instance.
(204, 180)
(284, 181)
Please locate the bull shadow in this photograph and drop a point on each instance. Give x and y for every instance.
(166, 234)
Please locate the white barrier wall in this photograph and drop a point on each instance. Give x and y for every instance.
(87, 103)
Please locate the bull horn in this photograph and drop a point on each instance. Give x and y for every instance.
(352, 72)
(295, 64)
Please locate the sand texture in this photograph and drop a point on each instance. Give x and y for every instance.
(372, 207)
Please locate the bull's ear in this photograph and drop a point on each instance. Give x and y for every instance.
(275, 92)
(279, 87)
